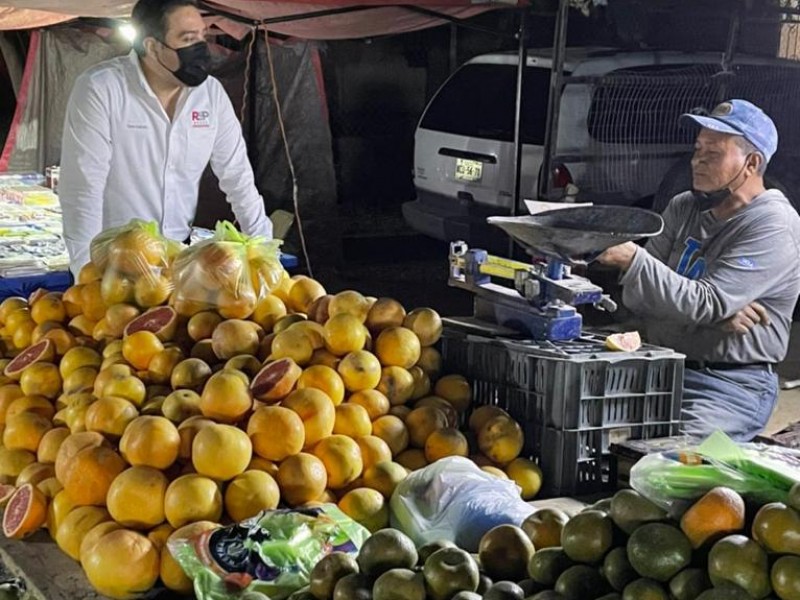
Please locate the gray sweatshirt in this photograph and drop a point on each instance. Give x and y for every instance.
(701, 271)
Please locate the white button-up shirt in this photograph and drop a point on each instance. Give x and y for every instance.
(122, 157)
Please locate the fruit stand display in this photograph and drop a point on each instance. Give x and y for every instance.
(171, 388)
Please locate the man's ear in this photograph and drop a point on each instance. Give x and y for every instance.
(149, 45)
(754, 162)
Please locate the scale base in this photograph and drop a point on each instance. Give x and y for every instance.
(552, 323)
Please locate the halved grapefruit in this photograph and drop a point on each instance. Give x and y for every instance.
(275, 380)
(629, 341)
(42, 351)
(161, 320)
(26, 511)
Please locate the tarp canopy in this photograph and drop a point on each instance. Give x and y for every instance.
(314, 20)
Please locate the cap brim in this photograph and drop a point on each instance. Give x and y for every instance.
(709, 123)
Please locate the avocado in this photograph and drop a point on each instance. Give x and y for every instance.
(644, 589)
(546, 565)
(629, 509)
(739, 560)
(581, 582)
(659, 551)
(588, 536)
(777, 528)
(689, 584)
(399, 584)
(618, 570)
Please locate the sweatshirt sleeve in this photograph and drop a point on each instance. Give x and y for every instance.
(660, 246)
(763, 254)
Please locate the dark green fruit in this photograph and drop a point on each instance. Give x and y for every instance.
(689, 584)
(629, 510)
(659, 551)
(581, 582)
(618, 570)
(328, 571)
(386, 549)
(588, 536)
(546, 565)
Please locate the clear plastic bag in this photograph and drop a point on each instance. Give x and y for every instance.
(272, 553)
(675, 479)
(228, 272)
(135, 262)
(454, 500)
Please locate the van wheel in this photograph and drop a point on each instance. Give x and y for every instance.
(678, 179)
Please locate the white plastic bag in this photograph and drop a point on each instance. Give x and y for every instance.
(454, 500)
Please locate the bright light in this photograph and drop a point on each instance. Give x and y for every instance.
(128, 32)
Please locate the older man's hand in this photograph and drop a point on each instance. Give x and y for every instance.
(619, 256)
(743, 321)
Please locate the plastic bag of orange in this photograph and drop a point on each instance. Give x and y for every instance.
(228, 273)
(134, 260)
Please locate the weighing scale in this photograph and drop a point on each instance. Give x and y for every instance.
(542, 304)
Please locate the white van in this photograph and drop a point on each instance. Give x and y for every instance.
(618, 138)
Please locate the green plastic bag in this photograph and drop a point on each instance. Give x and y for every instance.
(272, 553)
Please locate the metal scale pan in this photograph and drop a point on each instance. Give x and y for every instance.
(577, 235)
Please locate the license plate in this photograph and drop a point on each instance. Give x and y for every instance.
(468, 170)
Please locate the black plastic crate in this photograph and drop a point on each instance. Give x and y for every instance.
(570, 385)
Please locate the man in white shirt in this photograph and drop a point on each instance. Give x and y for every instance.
(140, 130)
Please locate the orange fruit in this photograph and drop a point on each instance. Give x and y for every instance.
(163, 364)
(63, 340)
(718, 513)
(50, 443)
(398, 346)
(180, 405)
(323, 357)
(276, 432)
(385, 313)
(172, 575)
(221, 452)
(445, 442)
(302, 293)
(367, 507)
(630, 341)
(152, 290)
(352, 420)
(75, 525)
(373, 450)
(302, 478)
(12, 462)
(385, 477)
(105, 375)
(397, 384)
(10, 305)
(73, 444)
(456, 390)
(77, 358)
(244, 363)
(250, 493)
(121, 564)
(294, 344)
(314, 331)
(422, 383)
(225, 398)
(118, 316)
(527, 476)
(139, 348)
(360, 371)
(262, 464)
(187, 431)
(35, 473)
(316, 410)
(392, 431)
(268, 310)
(190, 374)
(25, 512)
(422, 422)
(94, 534)
(501, 439)
(80, 380)
(25, 430)
(344, 333)
(150, 441)
(412, 459)
(236, 305)
(201, 325)
(110, 416)
(81, 325)
(8, 393)
(41, 379)
(323, 378)
(192, 498)
(430, 361)
(375, 402)
(23, 335)
(72, 301)
(342, 459)
(483, 414)
(33, 404)
(94, 307)
(136, 497)
(89, 474)
(349, 302)
(48, 307)
(89, 272)
(130, 388)
(426, 325)
(234, 337)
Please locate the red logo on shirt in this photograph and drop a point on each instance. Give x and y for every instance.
(200, 118)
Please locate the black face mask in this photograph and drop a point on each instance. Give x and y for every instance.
(194, 63)
(708, 200)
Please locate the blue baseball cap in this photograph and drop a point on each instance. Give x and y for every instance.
(740, 117)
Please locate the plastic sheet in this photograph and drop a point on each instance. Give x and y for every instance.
(454, 500)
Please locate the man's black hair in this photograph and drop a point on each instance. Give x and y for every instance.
(149, 17)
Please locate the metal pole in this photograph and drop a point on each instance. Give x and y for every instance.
(453, 56)
(522, 56)
(730, 50)
(554, 104)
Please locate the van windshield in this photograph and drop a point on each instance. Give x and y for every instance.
(479, 99)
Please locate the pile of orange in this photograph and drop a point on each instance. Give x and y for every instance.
(132, 422)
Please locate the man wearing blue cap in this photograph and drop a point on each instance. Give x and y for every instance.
(721, 282)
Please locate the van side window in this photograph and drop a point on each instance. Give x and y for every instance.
(478, 101)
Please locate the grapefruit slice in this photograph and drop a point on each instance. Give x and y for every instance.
(629, 341)
(42, 351)
(161, 320)
(26, 511)
(275, 380)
